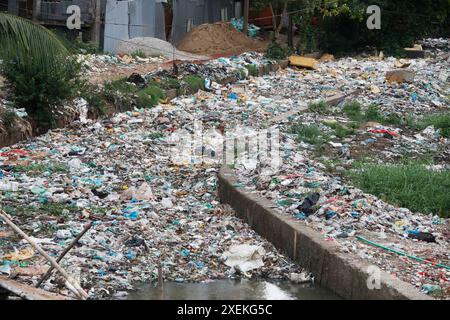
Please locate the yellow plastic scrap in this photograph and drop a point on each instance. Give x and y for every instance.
(19, 255)
(304, 62)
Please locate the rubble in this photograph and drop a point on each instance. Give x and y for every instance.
(305, 62)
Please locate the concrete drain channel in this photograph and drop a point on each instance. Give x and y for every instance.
(342, 273)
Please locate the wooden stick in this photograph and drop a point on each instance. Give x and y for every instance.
(71, 283)
(61, 256)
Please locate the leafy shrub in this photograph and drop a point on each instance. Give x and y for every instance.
(308, 133)
(319, 107)
(149, 97)
(39, 89)
(195, 82)
(252, 70)
(277, 52)
(94, 98)
(120, 93)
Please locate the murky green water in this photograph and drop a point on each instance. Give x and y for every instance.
(232, 290)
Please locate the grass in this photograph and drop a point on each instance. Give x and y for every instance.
(51, 208)
(121, 93)
(195, 82)
(440, 121)
(408, 185)
(339, 130)
(252, 70)
(241, 73)
(170, 83)
(319, 107)
(277, 52)
(38, 168)
(149, 97)
(138, 53)
(94, 98)
(309, 133)
(353, 110)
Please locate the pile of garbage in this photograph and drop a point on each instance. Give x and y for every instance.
(153, 212)
(148, 213)
(360, 223)
(239, 25)
(216, 70)
(97, 63)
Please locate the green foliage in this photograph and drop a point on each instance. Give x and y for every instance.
(36, 169)
(149, 97)
(319, 107)
(39, 89)
(120, 93)
(38, 66)
(9, 118)
(308, 133)
(77, 46)
(373, 114)
(138, 53)
(252, 70)
(27, 43)
(407, 185)
(170, 83)
(339, 130)
(277, 52)
(195, 82)
(342, 25)
(439, 121)
(353, 110)
(94, 97)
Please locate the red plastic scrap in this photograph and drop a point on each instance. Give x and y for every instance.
(384, 131)
(19, 152)
(294, 175)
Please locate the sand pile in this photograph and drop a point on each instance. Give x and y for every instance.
(218, 38)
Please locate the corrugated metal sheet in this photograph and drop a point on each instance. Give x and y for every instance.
(199, 12)
(131, 19)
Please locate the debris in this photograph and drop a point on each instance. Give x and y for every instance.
(304, 62)
(244, 257)
(27, 292)
(400, 76)
(22, 254)
(308, 203)
(422, 236)
(70, 282)
(415, 52)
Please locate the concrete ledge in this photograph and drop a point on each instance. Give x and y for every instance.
(345, 274)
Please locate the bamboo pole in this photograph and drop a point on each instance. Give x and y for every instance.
(61, 256)
(71, 283)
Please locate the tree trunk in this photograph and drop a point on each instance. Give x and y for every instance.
(246, 9)
(277, 28)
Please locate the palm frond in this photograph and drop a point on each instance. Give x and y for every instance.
(27, 43)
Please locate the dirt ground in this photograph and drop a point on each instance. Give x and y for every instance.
(107, 72)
